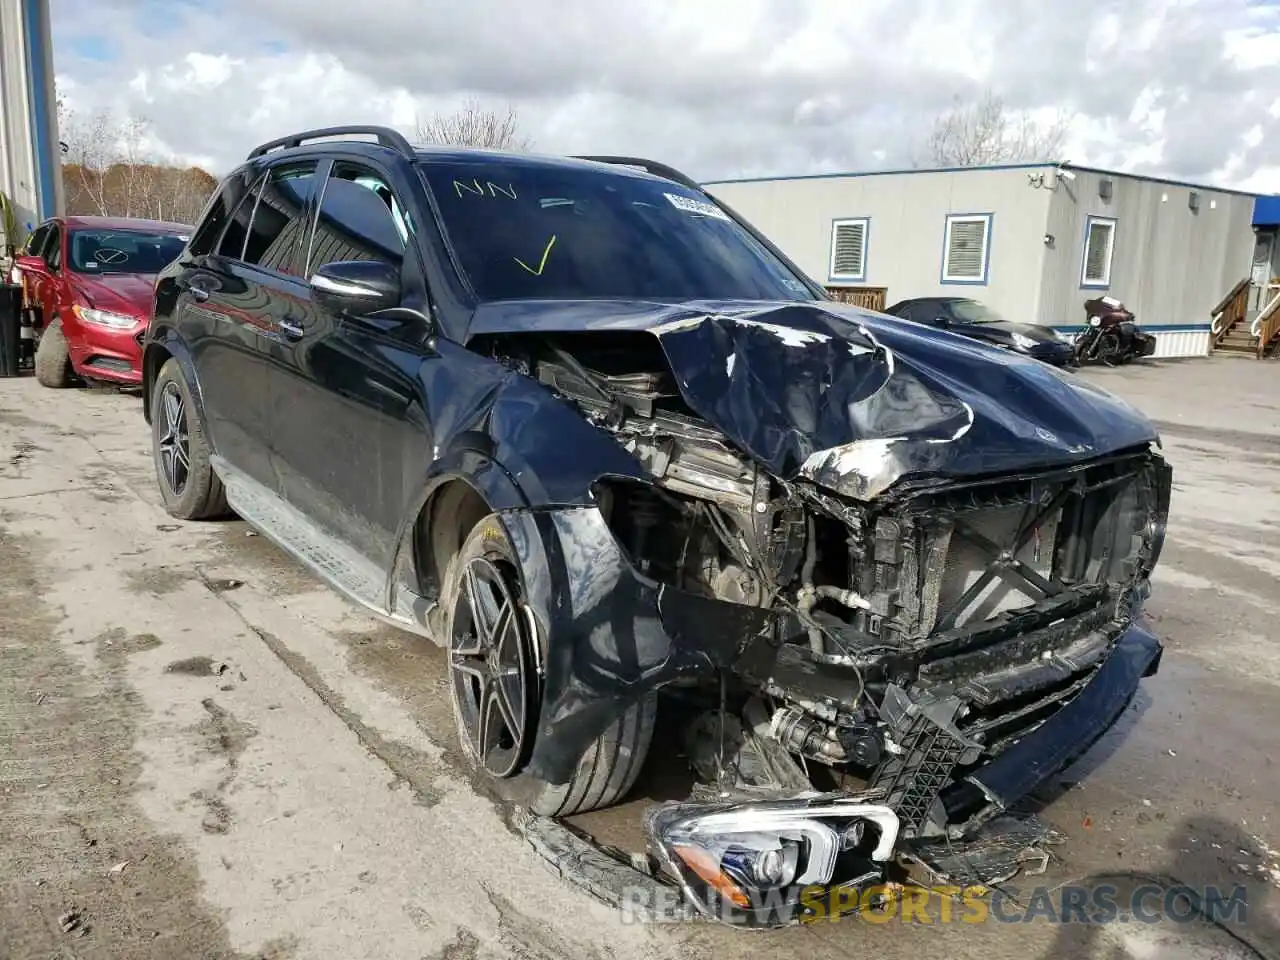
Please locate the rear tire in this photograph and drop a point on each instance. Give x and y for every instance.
(485, 573)
(180, 448)
(53, 358)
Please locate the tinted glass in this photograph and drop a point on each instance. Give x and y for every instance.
(359, 219)
(527, 230)
(971, 311)
(279, 219)
(35, 242)
(123, 251)
(233, 240)
(53, 247)
(218, 212)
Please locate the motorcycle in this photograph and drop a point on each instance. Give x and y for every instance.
(1113, 335)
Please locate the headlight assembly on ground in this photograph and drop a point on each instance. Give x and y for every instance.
(749, 864)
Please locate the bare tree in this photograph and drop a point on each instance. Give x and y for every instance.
(110, 170)
(91, 149)
(474, 126)
(983, 132)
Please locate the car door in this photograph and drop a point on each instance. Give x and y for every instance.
(232, 312)
(33, 274)
(46, 282)
(351, 438)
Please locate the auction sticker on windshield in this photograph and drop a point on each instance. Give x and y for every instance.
(690, 205)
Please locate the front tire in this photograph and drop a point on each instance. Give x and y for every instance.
(495, 653)
(180, 448)
(53, 358)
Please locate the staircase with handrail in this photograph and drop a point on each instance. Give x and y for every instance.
(1232, 332)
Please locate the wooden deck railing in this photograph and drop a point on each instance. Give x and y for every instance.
(1266, 327)
(1230, 311)
(869, 298)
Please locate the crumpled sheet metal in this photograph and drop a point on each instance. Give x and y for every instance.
(854, 400)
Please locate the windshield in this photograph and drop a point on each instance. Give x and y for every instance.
(971, 311)
(123, 251)
(532, 231)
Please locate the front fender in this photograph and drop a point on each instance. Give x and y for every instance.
(161, 345)
(611, 636)
(468, 459)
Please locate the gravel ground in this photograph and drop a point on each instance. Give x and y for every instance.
(204, 753)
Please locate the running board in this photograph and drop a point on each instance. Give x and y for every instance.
(339, 566)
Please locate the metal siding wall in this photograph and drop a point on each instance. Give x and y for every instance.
(1170, 265)
(905, 236)
(30, 161)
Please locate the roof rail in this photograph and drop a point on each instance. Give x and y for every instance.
(650, 166)
(385, 135)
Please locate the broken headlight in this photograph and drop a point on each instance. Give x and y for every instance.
(767, 863)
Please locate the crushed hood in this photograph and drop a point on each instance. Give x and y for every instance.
(850, 399)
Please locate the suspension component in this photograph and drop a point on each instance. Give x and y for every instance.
(816, 739)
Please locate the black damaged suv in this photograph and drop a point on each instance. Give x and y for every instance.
(579, 423)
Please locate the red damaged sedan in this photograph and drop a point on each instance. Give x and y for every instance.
(91, 280)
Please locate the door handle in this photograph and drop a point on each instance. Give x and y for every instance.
(198, 294)
(291, 328)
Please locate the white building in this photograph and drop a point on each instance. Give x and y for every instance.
(30, 158)
(1034, 241)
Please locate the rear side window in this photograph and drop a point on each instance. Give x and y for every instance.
(279, 224)
(237, 232)
(211, 225)
(216, 216)
(359, 219)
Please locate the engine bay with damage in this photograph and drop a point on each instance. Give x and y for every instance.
(913, 636)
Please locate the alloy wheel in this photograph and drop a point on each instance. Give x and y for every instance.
(491, 669)
(175, 448)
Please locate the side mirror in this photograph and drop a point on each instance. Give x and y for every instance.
(356, 286)
(25, 261)
(941, 322)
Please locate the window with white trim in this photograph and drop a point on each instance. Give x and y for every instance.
(1099, 247)
(966, 247)
(849, 249)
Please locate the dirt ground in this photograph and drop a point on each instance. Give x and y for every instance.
(206, 754)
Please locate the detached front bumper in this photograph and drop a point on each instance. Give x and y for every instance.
(1061, 739)
(714, 849)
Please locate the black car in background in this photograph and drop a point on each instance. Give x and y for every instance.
(584, 427)
(973, 319)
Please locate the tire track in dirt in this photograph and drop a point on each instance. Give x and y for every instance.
(75, 850)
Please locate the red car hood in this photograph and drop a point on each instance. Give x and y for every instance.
(130, 293)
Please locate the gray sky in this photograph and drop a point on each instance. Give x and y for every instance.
(1185, 88)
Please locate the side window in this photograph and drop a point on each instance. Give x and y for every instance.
(34, 247)
(214, 220)
(359, 219)
(916, 312)
(53, 248)
(279, 219)
(233, 240)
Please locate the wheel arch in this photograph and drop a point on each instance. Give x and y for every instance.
(155, 355)
(465, 485)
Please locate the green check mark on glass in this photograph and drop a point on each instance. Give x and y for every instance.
(541, 263)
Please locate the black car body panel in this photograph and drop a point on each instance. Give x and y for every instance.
(967, 318)
(787, 382)
(896, 534)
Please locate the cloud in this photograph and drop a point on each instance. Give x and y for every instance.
(719, 88)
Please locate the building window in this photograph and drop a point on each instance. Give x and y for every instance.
(1099, 247)
(966, 248)
(849, 249)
